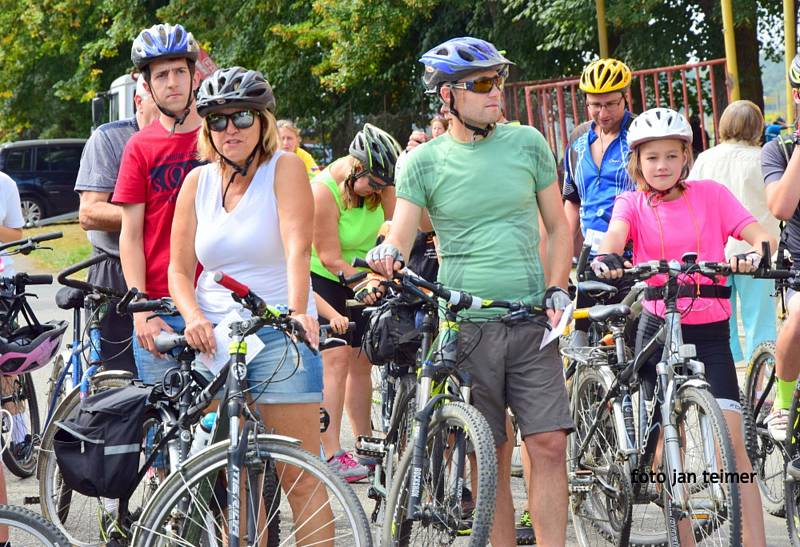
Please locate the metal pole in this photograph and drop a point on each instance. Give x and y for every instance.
(730, 48)
(790, 33)
(602, 34)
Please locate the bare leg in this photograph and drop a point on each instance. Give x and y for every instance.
(547, 490)
(358, 397)
(335, 364)
(753, 533)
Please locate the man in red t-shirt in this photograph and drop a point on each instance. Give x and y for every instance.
(154, 164)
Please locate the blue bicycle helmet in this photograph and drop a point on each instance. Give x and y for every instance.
(447, 62)
(163, 41)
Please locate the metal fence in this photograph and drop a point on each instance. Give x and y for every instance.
(555, 107)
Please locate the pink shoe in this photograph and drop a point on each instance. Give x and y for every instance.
(347, 467)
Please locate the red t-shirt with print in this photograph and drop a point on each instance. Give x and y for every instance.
(153, 167)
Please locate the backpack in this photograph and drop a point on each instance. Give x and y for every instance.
(98, 449)
(392, 335)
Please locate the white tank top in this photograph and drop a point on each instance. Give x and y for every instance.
(245, 243)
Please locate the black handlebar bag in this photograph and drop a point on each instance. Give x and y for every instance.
(98, 448)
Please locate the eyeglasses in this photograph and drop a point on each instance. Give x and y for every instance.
(241, 120)
(482, 85)
(610, 105)
(374, 183)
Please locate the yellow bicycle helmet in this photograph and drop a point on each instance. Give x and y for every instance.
(605, 76)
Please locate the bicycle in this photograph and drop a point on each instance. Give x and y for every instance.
(426, 496)
(612, 444)
(28, 529)
(218, 494)
(24, 349)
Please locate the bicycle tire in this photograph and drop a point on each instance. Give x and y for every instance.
(208, 466)
(35, 528)
(791, 493)
(20, 459)
(55, 498)
(767, 456)
(725, 527)
(397, 530)
(602, 495)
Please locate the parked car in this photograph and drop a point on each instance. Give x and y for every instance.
(45, 173)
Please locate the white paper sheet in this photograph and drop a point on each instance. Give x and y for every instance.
(222, 336)
(558, 330)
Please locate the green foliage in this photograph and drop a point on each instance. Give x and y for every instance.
(333, 63)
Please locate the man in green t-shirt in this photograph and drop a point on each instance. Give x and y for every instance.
(485, 186)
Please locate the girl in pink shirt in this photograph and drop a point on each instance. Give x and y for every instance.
(669, 216)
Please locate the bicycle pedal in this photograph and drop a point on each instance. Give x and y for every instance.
(581, 481)
(372, 447)
(31, 500)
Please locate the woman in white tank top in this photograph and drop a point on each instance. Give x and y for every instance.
(249, 213)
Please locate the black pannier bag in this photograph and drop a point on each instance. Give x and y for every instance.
(391, 335)
(97, 449)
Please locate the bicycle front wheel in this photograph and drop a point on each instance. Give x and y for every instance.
(709, 485)
(316, 506)
(792, 486)
(27, 529)
(19, 398)
(445, 511)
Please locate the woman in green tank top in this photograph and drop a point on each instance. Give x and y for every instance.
(352, 199)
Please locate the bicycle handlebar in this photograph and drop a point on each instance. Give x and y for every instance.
(64, 279)
(231, 284)
(31, 241)
(459, 300)
(33, 279)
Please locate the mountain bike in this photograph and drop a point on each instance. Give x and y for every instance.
(218, 495)
(26, 344)
(615, 480)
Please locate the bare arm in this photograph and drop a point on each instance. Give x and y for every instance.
(131, 250)
(388, 201)
(296, 218)
(783, 196)
(182, 258)
(616, 237)
(559, 241)
(755, 235)
(96, 213)
(10, 234)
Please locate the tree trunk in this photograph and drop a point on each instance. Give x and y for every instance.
(747, 47)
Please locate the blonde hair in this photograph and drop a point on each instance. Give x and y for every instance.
(349, 198)
(289, 124)
(635, 168)
(268, 144)
(742, 121)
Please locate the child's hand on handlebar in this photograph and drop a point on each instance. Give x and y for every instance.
(339, 324)
(610, 266)
(370, 290)
(745, 262)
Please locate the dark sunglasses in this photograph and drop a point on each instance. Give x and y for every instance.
(241, 120)
(482, 85)
(375, 184)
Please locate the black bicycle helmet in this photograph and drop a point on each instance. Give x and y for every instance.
(163, 41)
(235, 87)
(377, 151)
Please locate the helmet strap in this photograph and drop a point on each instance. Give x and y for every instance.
(240, 170)
(482, 132)
(179, 119)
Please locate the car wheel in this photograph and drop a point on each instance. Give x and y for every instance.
(32, 210)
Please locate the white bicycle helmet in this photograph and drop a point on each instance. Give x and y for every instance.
(659, 123)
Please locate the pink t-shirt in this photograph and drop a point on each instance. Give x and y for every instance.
(704, 216)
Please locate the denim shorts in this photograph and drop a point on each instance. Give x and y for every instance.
(150, 368)
(278, 374)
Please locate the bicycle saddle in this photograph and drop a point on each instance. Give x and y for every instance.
(597, 288)
(600, 314)
(68, 298)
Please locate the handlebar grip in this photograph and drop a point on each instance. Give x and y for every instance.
(37, 279)
(328, 328)
(231, 284)
(47, 237)
(145, 305)
(360, 263)
(122, 305)
(352, 279)
(166, 341)
(583, 258)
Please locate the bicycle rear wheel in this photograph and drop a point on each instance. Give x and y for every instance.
(601, 491)
(83, 520)
(766, 455)
(713, 508)
(27, 529)
(791, 491)
(316, 506)
(19, 398)
(445, 513)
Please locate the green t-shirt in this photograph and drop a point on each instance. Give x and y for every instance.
(358, 228)
(481, 197)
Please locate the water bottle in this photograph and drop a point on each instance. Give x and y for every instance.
(627, 416)
(202, 433)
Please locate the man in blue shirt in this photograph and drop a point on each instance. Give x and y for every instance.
(596, 159)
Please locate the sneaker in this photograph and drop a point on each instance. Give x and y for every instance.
(793, 468)
(776, 424)
(525, 520)
(525, 536)
(368, 461)
(350, 470)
